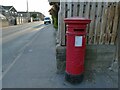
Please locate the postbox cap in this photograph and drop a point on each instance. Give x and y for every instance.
(77, 20)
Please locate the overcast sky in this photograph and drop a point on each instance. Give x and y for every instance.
(34, 5)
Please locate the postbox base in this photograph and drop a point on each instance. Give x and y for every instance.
(74, 79)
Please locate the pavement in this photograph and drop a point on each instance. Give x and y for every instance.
(35, 67)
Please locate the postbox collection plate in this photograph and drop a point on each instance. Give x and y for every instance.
(78, 41)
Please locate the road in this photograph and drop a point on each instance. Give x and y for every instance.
(34, 64)
(15, 39)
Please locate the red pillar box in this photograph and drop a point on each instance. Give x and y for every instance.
(75, 48)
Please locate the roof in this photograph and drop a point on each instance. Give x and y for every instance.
(30, 13)
(8, 8)
(2, 16)
(35, 12)
(1, 7)
(23, 12)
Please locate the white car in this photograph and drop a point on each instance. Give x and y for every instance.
(47, 20)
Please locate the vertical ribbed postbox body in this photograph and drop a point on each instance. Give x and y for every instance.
(75, 48)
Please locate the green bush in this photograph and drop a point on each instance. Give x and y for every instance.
(55, 22)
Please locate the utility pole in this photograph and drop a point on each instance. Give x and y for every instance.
(28, 14)
(27, 5)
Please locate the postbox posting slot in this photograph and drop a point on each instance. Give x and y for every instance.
(78, 30)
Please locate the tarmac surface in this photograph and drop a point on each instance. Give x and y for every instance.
(35, 67)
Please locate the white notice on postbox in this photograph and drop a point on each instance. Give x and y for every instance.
(78, 40)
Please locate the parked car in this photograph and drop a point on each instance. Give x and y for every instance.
(47, 20)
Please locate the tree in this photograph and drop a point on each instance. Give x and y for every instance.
(34, 15)
(54, 12)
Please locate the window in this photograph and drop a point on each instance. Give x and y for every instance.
(6, 11)
(47, 18)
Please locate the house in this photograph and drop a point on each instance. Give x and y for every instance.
(3, 21)
(15, 17)
(37, 16)
(25, 16)
(10, 13)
